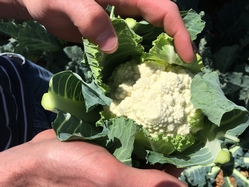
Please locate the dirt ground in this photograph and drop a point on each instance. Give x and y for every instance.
(219, 181)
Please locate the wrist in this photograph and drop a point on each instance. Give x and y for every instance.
(14, 9)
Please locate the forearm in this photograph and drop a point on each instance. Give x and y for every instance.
(13, 9)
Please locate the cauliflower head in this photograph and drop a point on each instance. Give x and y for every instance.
(155, 96)
(158, 97)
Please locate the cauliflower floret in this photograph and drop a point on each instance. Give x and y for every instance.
(156, 97)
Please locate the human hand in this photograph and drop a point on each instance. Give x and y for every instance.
(70, 20)
(45, 161)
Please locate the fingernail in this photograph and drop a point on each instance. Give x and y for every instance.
(107, 42)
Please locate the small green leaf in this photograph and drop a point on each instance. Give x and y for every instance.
(194, 23)
(69, 93)
(203, 155)
(69, 127)
(121, 137)
(163, 51)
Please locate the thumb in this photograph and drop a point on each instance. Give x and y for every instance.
(44, 135)
(155, 178)
(94, 24)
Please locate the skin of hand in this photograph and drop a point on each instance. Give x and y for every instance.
(45, 161)
(71, 20)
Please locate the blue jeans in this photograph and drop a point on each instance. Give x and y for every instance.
(37, 80)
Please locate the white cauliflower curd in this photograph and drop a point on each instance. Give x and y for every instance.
(155, 96)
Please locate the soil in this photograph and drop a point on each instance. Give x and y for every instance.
(219, 181)
(245, 173)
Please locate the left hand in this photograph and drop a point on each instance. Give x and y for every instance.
(45, 161)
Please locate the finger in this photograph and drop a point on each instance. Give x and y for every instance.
(167, 168)
(160, 13)
(93, 23)
(51, 14)
(178, 31)
(44, 135)
(151, 177)
(165, 179)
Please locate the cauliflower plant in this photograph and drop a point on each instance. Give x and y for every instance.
(149, 107)
(156, 96)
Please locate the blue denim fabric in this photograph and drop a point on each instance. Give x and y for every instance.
(37, 79)
(38, 82)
